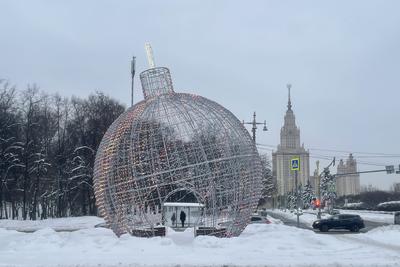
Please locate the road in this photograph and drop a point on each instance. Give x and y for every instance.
(369, 225)
(288, 221)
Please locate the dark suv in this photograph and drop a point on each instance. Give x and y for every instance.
(342, 221)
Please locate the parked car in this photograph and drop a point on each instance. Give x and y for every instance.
(259, 219)
(341, 221)
(335, 212)
(262, 213)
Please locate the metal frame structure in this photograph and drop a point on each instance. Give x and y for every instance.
(176, 142)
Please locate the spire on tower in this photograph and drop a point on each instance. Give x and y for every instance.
(289, 101)
(150, 56)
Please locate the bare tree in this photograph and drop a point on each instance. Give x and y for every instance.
(9, 147)
(61, 152)
(268, 185)
(47, 151)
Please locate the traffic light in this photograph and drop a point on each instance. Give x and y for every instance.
(389, 169)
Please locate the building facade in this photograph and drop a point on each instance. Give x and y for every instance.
(289, 148)
(347, 184)
(314, 179)
(396, 187)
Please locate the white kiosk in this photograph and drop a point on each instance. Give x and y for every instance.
(174, 211)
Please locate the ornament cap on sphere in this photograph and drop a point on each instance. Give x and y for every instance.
(156, 81)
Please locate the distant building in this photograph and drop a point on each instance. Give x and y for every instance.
(396, 187)
(314, 179)
(347, 184)
(368, 188)
(288, 148)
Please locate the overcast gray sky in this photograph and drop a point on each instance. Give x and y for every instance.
(342, 58)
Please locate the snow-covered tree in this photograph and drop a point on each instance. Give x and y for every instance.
(10, 149)
(9, 165)
(39, 168)
(307, 194)
(45, 169)
(80, 180)
(291, 200)
(268, 185)
(328, 187)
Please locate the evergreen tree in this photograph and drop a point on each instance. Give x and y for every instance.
(328, 188)
(291, 200)
(268, 185)
(307, 195)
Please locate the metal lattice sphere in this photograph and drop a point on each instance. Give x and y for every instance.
(173, 153)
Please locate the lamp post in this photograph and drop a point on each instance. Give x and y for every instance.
(254, 123)
(133, 70)
(297, 199)
(295, 166)
(318, 191)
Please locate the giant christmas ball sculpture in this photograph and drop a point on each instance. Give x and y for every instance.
(173, 151)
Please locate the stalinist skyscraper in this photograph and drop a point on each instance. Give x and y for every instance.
(348, 184)
(287, 149)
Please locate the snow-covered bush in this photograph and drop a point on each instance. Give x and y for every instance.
(355, 206)
(389, 206)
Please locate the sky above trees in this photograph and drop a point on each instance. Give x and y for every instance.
(342, 59)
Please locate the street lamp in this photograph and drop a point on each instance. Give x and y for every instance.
(254, 123)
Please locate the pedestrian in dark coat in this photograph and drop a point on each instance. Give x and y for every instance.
(173, 219)
(182, 216)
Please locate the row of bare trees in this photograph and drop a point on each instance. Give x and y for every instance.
(47, 151)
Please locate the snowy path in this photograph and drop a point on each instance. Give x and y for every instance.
(289, 220)
(306, 219)
(259, 245)
(58, 224)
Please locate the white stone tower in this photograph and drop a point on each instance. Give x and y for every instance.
(288, 148)
(347, 184)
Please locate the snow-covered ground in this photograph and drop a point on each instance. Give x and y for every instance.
(259, 245)
(307, 218)
(62, 224)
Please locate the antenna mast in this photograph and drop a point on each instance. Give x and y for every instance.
(150, 56)
(133, 70)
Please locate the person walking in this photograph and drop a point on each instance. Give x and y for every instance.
(182, 216)
(173, 219)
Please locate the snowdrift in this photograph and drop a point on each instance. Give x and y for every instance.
(258, 245)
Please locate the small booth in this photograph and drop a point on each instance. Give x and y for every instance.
(397, 217)
(182, 215)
